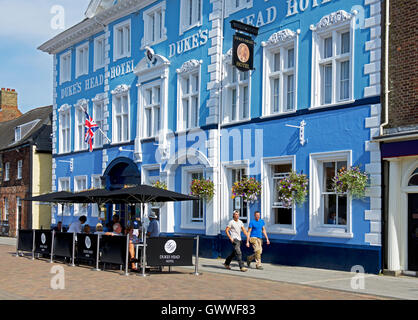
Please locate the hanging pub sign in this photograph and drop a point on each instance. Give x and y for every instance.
(243, 52)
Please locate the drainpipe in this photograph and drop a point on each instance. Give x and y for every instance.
(387, 24)
(219, 123)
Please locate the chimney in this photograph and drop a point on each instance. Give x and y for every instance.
(8, 105)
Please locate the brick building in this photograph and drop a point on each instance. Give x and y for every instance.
(8, 105)
(25, 160)
(398, 136)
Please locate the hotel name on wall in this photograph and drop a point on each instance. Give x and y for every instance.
(98, 80)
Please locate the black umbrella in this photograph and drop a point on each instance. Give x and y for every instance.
(54, 197)
(98, 196)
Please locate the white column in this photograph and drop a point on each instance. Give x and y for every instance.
(394, 213)
(167, 223)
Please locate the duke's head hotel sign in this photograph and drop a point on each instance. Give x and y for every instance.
(243, 52)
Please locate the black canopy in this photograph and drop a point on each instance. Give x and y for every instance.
(90, 196)
(55, 197)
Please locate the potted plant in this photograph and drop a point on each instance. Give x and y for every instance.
(203, 188)
(352, 181)
(247, 188)
(160, 185)
(293, 189)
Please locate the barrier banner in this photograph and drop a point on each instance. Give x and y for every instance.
(63, 244)
(170, 252)
(87, 246)
(25, 242)
(113, 249)
(43, 241)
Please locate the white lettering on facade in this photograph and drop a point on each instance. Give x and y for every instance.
(192, 42)
(302, 5)
(263, 18)
(122, 69)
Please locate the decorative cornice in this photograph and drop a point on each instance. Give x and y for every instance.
(189, 66)
(99, 97)
(81, 103)
(64, 107)
(89, 27)
(332, 19)
(120, 89)
(280, 37)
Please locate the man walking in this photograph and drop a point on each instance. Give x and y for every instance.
(256, 229)
(233, 231)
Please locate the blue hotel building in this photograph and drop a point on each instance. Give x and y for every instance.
(157, 77)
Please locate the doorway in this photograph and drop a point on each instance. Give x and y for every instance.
(413, 232)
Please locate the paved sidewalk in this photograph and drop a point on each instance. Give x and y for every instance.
(402, 287)
(23, 278)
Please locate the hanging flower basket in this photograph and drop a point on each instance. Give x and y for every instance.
(248, 188)
(293, 189)
(160, 185)
(353, 180)
(203, 188)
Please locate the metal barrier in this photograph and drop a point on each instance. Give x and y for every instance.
(163, 251)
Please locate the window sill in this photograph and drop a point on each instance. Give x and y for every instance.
(187, 28)
(81, 74)
(276, 229)
(193, 226)
(98, 68)
(331, 234)
(324, 106)
(235, 122)
(153, 43)
(121, 57)
(272, 115)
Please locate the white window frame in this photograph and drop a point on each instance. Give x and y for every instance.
(127, 44)
(316, 210)
(7, 171)
(79, 208)
(147, 17)
(18, 133)
(187, 206)
(65, 137)
(94, 208)
(82, 61)
(67, 210)
(237, 85)
(19, 203)
(187, 72)
(332, 25)
(233, 6)
(145, 105)
(19, 169)
(97, 50)
(226, 190)
(100, 121)
(65, 71)
(185, 16)
(268, 197)
(120, 93)
(80, 125)
(280, 43)
(6, 208)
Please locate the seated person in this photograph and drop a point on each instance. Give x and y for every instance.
(117, 230)
(132, 239)
(99, 229)
(59, 227)
(76, 226)
(86, 229)
(154, 226)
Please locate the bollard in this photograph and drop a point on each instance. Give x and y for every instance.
(17, 243)
(52, 247)
(98, 253)
(144, 256)
(33, 245)
(73, 258)
(127, 256)
(196, 267)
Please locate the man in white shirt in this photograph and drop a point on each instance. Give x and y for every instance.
(76, 226)
(233, 231)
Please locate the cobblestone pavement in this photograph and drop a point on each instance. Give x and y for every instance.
(22, 278)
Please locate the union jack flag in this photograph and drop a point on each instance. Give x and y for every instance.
(90, 128)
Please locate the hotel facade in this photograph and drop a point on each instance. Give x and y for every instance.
(157, 77)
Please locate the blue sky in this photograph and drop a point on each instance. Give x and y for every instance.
(24, 26)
